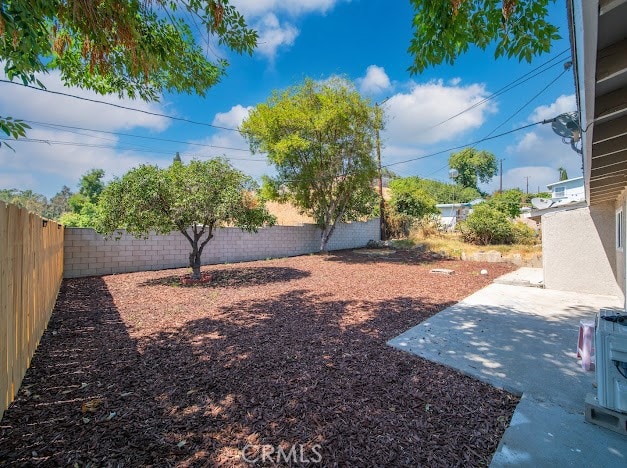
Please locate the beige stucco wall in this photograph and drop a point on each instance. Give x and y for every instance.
(579, 252)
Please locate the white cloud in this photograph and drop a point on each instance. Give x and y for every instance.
(233, 118)
(26, 103)
(541, 147)
(274, 35)
(564, 103)
(412, 116)
(256, 8)
(231, 145)
(375, 81)
(45, 167)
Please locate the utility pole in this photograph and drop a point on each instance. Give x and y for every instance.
(501, 179)
(527, 192)
(379, 122)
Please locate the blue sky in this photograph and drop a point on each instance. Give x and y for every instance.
(364, 40)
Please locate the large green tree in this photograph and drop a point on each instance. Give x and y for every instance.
(193, 199)
(84, 203)
(409, 198)
(129, 47)
(473, 166)
(59, 204)
(27, 199)
(320, 138)
(445, 29)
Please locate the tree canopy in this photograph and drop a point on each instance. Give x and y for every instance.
(126, 47)
(193, 199)
(443, 30)
(27, 199)
(320, 138)
(409, 198)
(473, 166)
(84, 203)
(507, 202)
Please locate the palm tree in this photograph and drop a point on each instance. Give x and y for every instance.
(563, 173)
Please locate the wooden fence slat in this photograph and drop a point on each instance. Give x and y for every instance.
(31, 271)
(4, 306)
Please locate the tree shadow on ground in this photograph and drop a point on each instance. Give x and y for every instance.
(234, 277)
(296, 368)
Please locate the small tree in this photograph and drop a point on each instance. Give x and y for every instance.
(410, 199)
(83, 205)
(563, 173)
(320, 137)
(487, 225)
(473, 167)
(194, 199)
(507, 202)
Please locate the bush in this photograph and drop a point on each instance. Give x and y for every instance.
(523, 234)
(397, 225)
(431, 225)
(487, 225)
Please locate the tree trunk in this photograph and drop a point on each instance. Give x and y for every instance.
(194, 260)
(324, 238)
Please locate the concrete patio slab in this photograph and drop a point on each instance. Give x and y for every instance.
(523, 277)
(523, 339)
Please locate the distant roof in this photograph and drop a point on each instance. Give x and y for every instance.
(572, 205)
(564, 181)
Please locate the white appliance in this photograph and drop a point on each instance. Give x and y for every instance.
(611, 359)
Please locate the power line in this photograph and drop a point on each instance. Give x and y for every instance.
(513, 84)
(119, 106)
(95, 145)
(528, 102)
(468, 144)
(145, 137)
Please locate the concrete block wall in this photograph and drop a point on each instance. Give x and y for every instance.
(87, 253)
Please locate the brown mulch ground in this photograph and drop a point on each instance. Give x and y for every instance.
(137, 370)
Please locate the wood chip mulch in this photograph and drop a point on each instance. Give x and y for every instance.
(137, 369)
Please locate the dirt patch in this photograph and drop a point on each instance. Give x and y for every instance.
(278, 353)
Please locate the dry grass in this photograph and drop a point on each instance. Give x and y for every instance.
(453, 246)
(287, 214)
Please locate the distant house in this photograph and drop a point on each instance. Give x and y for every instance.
(452, 213)
(571, 189)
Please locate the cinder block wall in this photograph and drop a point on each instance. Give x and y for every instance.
(87, 253)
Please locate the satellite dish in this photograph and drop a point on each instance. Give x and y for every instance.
(566, 125)
(541, 203)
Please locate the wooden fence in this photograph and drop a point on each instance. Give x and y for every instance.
(31, 270)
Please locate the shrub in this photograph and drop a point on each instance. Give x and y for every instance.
(431, 225)
(487, 225)
(397, 225)
(523, 234)
(507, 202)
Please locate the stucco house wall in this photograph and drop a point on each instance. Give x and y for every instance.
(579, 251)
